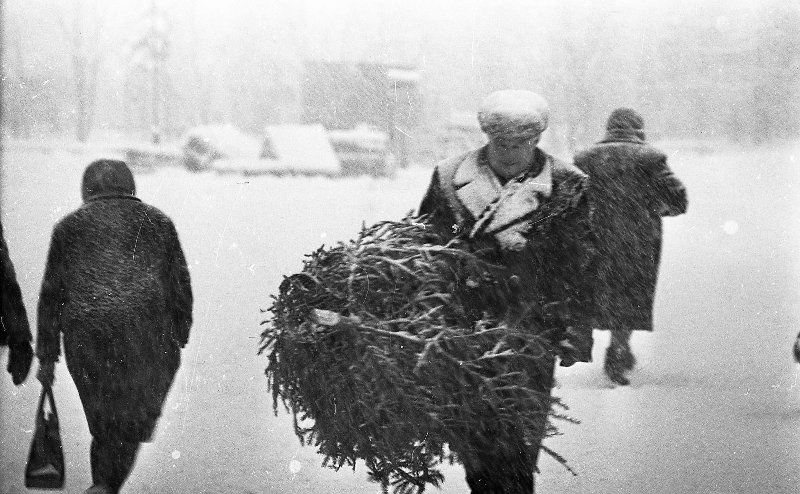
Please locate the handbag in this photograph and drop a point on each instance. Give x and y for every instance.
(45, 467)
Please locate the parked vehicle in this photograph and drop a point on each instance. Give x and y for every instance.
(363, 150)
(203, 145)
(289, 149)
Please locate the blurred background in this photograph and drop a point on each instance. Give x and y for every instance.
(199, 96)
(406, 74)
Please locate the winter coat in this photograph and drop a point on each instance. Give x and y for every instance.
(117, 287)
(551, 212)
(14, 329)
(631, 189)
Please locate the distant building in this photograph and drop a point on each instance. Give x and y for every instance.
(348, 95)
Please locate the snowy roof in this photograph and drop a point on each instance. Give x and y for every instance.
(303, 148)
(364, 136)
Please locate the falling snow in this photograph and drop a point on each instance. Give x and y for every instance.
(713, 406)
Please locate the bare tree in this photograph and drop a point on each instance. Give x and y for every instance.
(81, 29)
(15, 99)
(149, 52)
(572, 78)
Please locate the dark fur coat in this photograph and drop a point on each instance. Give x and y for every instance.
(549, 270)
(117, 287)
(551, 213)
(631, 189)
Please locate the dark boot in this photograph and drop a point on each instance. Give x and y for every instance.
(613, 366)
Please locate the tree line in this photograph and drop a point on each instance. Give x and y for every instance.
(715, 72)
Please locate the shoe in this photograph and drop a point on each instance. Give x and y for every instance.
(98, 489)
(614, 368)
(617, 375)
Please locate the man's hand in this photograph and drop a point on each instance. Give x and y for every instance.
(47, 373)
(19, 361)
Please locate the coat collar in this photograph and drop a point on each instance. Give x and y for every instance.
(632, 136)
(111, 195)
(494, 205)
(513, 213)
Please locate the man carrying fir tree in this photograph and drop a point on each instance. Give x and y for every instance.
(529, 212)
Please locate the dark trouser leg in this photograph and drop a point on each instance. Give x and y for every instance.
(621, 338)
(112, 461)
(508, 468)
(509, 471)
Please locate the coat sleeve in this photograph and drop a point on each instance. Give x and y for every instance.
(435, 206)
(668, 193)
(433, 201)
(51, 303)
(14, 328)
(180, 288)
(577, 243)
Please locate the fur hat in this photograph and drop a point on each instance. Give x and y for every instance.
(513, 113)
(107, 178)
(625, 119)
(624, 124)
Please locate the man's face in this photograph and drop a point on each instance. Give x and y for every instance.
(510, 157)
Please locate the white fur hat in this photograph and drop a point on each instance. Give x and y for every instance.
(513, 113)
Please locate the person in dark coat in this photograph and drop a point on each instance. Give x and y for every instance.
(14, 329)
(117, 287)
(632, 189)
(530, 213)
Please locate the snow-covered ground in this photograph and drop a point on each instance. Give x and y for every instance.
(714, 406)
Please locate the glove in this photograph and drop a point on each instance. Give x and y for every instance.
(47, 373)
(19, 361)
(575, 346)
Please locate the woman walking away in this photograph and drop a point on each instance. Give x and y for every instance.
(631, 188)
(116, 285)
